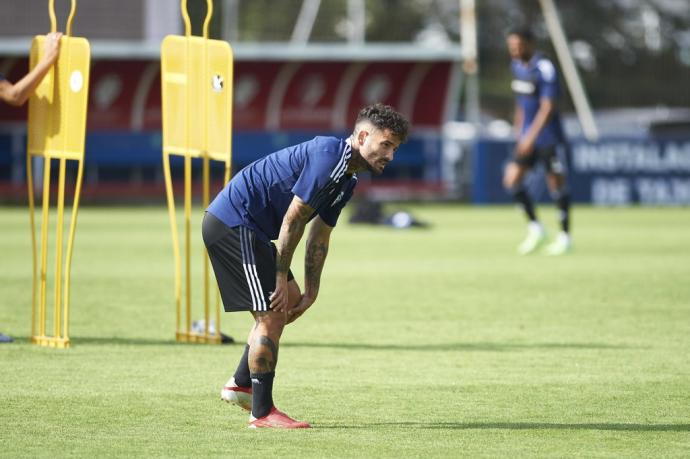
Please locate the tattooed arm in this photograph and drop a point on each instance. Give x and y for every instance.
(291, 232)
(315, 256)
(314, 259)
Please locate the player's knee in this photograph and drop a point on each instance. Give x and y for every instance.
(515, 190)
(512, 177)
(270, 323)
(510, 183)
(559, 193)
(294, 294)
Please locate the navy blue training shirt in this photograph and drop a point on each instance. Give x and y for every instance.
(259, 195)
(536, 80)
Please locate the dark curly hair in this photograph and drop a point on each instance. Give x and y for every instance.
(385, 117)
(523, 32)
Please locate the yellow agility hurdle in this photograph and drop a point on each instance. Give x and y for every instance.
(196, 85)
(56, 128)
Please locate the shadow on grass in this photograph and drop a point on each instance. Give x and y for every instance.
(468, 347)
(517, 426)
(491, 347)
(110, 340)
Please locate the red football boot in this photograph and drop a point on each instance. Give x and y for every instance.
(277, 419)
(240, 396)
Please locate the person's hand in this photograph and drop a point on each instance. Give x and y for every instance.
(279, 297)
(304, 303)
(51, 48)
(525, 147)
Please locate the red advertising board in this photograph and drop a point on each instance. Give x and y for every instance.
(289, 96)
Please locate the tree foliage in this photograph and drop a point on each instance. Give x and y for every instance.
(629, 52)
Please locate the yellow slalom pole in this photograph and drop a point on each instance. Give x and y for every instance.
(206, 171)
(207, 20)
(51, 13)
(217, 336)
(187, 190)
(185, 72)
(188, 238)
(175, 238)
(30, 183)
(73, 9)
(57, 121)
(70, 245)
(44, 245)
(226, 176)
(185, 18)
(57, 312)
(204, 201)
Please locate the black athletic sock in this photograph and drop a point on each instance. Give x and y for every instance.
(520, 196)
(563, 204)
(242, 377)
(262, 393)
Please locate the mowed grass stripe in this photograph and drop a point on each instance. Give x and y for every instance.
(438, 343)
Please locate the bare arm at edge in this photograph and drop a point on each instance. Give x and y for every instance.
(546, 109)
(17, 94)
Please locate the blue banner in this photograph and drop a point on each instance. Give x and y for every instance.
(611, 172)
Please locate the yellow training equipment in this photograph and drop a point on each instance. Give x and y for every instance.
(196, 84)
(56, 128)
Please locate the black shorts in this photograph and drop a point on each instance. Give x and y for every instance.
(245, 266)
(553, 158)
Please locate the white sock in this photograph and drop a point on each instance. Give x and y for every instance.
(535, 228)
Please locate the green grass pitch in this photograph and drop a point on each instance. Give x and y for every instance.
(423, 343)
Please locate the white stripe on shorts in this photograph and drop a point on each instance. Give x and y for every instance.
(259, 289)
(249, 265)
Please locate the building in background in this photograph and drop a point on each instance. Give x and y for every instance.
(300, 64)
(284, 92)
(126, 20)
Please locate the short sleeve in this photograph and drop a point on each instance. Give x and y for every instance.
(329, 214)
(548, 80)
(316, 179)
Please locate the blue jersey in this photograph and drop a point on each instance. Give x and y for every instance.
(259, 195)
(536, 80)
